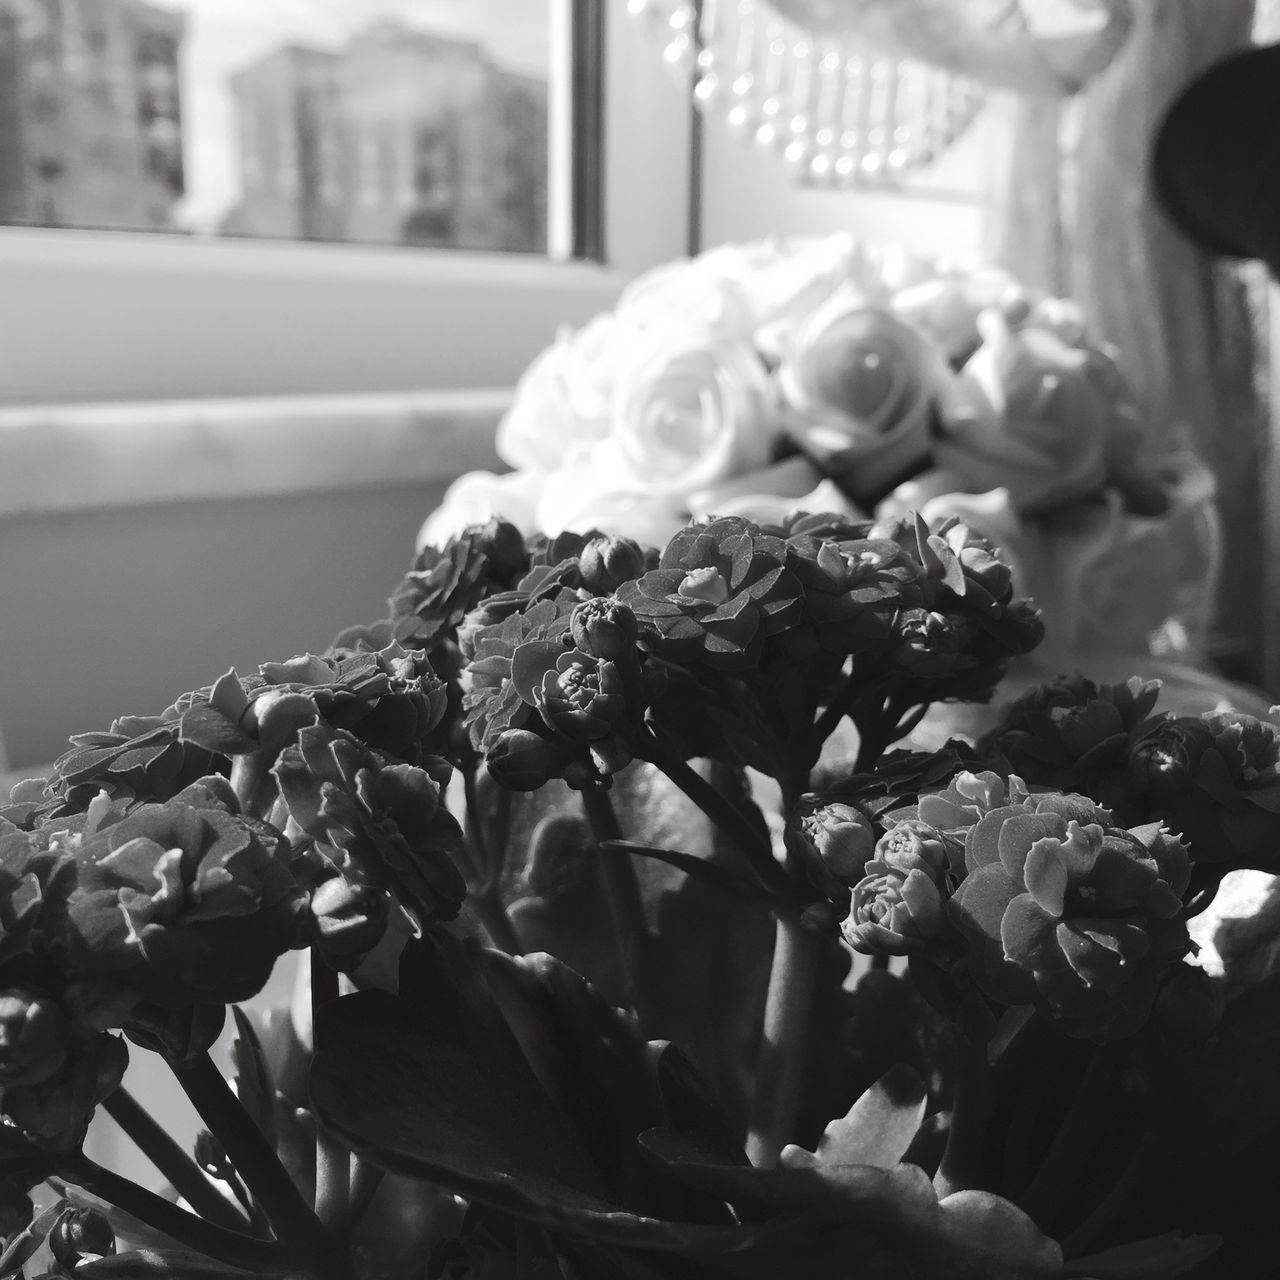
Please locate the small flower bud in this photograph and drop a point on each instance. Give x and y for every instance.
(520, 760)
(80, 1235)
(841, 838)
(892, 913)
(916, 846)
(504, 544)
(33, 1038)
(606, 563)
(350, 918)
(610, 755)
(604, 627)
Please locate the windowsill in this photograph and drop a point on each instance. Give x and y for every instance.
(162, 252)
(89, 317)
(60, 458)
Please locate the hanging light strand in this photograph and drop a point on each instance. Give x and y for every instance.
(842, 114)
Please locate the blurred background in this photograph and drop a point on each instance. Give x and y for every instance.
(269, 271)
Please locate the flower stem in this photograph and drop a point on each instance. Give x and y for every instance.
(333, 1160)
(260, 1257)
(753, 846)
(1069, 1151)
(786, 1025)
(254, 1159)
(626, 908)
(493, 917)
(961, 1160)
(184, 1175)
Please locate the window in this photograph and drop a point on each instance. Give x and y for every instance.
(194, 76)
(280, 309)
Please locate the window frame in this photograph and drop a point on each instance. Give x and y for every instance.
(90, 316)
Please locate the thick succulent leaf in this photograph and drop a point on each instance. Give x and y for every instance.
(1157, 1258)
(971, 1235)
(879, 1127)
(711, 873)
(23, 1246)
(410, 1094)
(254, 1086)
(146, 1264)
(601, 1074)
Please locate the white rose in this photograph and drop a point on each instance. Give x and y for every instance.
(478, 496)
(691, 409)
(594, 489)
(562, 398)
(859, 386)
(947, 307)
(696, 292)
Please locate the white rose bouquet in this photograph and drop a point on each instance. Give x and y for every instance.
(818, 374)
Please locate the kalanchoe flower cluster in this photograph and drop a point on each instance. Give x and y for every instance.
(719, 591)
(1075, 734)
(55, 1066)
(391, 699)
(898, 905)
(137, 758)
(1060, 906)
(555, 691)
(959, 623)
(181, 902)
(832, 841)
(1215, 779)
(854, 585)
(444, 583)
(379, 824)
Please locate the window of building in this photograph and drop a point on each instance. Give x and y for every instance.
(285, 307)
(206, 69)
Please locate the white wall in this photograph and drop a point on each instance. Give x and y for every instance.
(749, 193)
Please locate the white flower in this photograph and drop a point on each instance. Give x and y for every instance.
(477, 497)
(692, 409)
(858, 384)
(563, 397)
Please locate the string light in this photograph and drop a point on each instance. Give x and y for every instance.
(839, 113)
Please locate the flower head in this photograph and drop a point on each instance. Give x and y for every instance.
(833, 840)
(1060, 906)
(720, 590)
(386, 820)
(604, 627)
(894, 912)
(390, 698)
(183, 902)
(1073, 732)
(1216, 779)
(445, 582)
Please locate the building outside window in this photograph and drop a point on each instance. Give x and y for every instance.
(265, 119)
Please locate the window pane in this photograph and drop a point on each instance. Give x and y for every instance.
(419, 122)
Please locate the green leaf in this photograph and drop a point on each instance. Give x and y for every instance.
(254, 1086)
(23, 1246)
(880, 1126)
(435, 1092)
(700, 868)
(145, 1264)
(1157, 1258)
(971, 1235)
